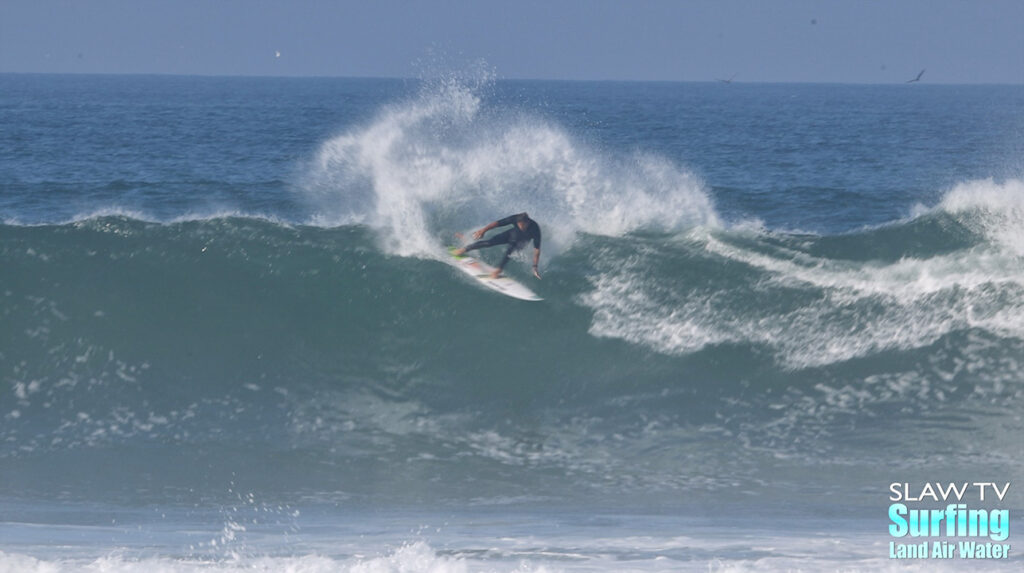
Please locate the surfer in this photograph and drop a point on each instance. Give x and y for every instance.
(524, 229)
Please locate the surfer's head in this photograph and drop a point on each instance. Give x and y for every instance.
(522, 221)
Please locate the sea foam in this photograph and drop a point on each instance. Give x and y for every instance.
(816, 309)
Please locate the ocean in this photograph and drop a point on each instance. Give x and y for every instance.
(230, 340)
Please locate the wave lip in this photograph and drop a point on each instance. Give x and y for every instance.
(994, 210)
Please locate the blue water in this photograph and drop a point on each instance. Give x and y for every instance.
(229, 338)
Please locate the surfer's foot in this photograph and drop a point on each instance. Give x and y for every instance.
(459, 252)
(496, 274)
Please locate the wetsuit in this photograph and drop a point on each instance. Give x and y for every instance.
(514, 238)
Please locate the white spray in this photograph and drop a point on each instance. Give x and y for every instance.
(443, 161)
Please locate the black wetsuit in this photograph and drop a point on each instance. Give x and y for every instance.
(514, 238)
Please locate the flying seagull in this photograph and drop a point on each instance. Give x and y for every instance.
(728, 81)
(917, 79)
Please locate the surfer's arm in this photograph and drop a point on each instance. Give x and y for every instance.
(510, 220)
(481, 232)
(536, 261)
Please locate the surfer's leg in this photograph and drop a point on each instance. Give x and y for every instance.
(499, 239)
(508, 253)
(472, 247)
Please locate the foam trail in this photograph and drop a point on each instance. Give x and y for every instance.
(443, 161)
(417, 556)
(816, 310)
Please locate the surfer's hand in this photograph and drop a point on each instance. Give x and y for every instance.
(535, 273)
(479, 233)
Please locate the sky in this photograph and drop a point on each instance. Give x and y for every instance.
(831, 41)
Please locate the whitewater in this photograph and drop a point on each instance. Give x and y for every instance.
(229, 339)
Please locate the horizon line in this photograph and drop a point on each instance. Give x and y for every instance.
(514, 79)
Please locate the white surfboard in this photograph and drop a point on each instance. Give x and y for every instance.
(481, 271)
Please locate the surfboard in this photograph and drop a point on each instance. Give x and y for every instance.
(481, 271)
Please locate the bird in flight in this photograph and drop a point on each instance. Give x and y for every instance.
(917, 79)
(728, 81)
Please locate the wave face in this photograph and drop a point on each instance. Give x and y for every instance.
(320, 363)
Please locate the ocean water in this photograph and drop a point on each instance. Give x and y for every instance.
(229, 340)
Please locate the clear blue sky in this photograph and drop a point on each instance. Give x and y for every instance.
(957, 41)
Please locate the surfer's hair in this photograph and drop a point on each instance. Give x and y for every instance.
(522, 217)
